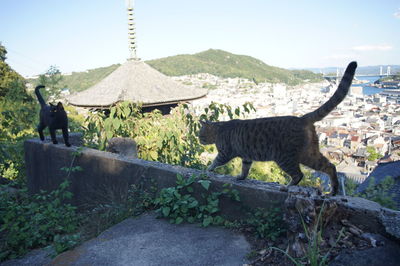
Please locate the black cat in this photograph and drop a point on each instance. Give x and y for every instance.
(52, 116)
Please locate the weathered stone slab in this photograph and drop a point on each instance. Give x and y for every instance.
(123, 146)
(387, 254)
(149, 241)
(37, 257)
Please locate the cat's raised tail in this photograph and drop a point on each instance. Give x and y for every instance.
(336, 98)
(39, 96)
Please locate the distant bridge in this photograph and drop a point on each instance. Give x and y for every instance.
(366, 75)
(335, 78)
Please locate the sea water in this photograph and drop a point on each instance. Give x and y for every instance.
(368, 90)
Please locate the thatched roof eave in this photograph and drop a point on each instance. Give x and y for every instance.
(135, 81)
(142, 104)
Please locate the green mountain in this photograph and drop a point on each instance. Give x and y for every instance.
(224, 64)
(79, 81)
(215, 62)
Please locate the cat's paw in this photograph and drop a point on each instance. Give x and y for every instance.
(332, 193)
(55, 142)
(68, 144)
(240, 177)
(293, 182)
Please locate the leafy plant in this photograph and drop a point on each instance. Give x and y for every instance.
(16, 121)
(172, 139)
(63, 243)
(380, 193)
(266, 223)
(16, 124)
(72, 168)
(119, 121)
(35, 221)
(217, 111)
(179, 204)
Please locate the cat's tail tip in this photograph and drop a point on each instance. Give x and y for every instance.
(351, 67)
(39, 87)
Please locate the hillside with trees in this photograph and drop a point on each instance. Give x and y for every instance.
(215, 62)
(79, 81)
(224, 64)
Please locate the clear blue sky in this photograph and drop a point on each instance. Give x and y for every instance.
(82, 34)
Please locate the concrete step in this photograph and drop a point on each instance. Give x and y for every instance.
(147, 240)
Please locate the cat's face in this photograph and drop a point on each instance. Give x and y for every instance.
(208, 132)
(56, 109)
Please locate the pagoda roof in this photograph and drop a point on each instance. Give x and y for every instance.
(135, 81)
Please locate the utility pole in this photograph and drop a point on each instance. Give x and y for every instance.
(131, 31)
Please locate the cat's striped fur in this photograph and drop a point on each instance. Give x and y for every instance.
(287, 140)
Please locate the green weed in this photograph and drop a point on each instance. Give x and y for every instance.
(180, 205)
(313, 255)
(29, 222)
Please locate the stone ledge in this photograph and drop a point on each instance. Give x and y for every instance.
(107, 176)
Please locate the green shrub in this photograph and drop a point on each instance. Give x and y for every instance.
(35, 221)
(380, 192)
(16, 124)
(179, 204)
(375, 192)
(169, 139)
(266, 223)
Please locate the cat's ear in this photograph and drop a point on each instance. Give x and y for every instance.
(60, 106)
(51, 104)
(205, 123)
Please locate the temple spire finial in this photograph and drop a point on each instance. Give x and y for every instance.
(131, 31)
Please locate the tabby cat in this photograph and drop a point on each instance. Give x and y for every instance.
(287, 140)
(52, 116)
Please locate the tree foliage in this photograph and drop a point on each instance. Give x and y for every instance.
(52, 81)
(373, 154)
(32, 221)
(16, 119)
(79, 81)
(12, 85)
(3, 53)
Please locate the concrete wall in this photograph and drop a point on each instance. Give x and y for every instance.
(108, 176)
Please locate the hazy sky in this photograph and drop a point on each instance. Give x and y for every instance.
(82, 34)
